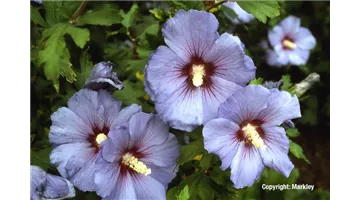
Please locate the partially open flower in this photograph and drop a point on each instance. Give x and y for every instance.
(102, 77)
(78, 130)
(241, 15)
(47, 186)
(291, 43)
(247, 136)
(199, 70)
(138, 160)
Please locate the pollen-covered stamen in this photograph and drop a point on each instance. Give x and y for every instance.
(198, 73)
(288, 44)
(252, 135)
(100, 138)
(135, 164)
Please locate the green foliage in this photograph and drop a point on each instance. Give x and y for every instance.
(257, 81)
(41, 158)
(261, 9)
(36, 17)
(292, 132)
(55, 56)
(286, 82)
(309, 115)
(188, 152)
(159, 13)
(131, 93)
(59, 11)
(297, 151)
(129, 17)
(86, 66)
(106, 16)
(184, 194)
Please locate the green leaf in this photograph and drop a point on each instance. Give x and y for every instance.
(196, 5)
(41, 158)
(131, 92)
(180, 5)
(159, 13)
(59, 11)
(153, 29)
(188, 152)
(134, 66)
(218, 176)
(85, 69)
(105, 16)
(261, 9)
(129, 17)
(292, 132)
(184, 194)
(204, 189)
(36, 17)
(55, 56)
(52, 8)
(286, 82)
(256, 81)
(191, 181)
(207, 161)
(143, 53)
(297, 151)
(79, 35)
(310, 114)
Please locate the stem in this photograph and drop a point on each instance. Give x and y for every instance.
(78, 12)
(215, 5)
(133, 41)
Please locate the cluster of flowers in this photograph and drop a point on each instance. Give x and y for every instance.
(199, 78)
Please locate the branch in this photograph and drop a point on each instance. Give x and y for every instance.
(214, 5)
(306, 84)
(78, 12)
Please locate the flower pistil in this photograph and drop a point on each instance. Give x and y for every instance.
(135, 164)
(252, 135)
(100, 138)
(198, 75)
(288, 44)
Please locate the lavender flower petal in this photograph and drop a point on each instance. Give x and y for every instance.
(242, 15)
(227, 54)
(304, 39)
(225, 145)
(245, 104)
(275, 155)
(191, 32)
(281, 107)
(246, 167)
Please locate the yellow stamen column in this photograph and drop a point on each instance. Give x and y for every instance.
(100, 138)
(253, 136)
(198, 75)
(135, 164)
(289, 44)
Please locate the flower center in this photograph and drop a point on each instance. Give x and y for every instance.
(135, 164)
(198, 73)
(252, 135)
(100, 138)
(289, 44)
